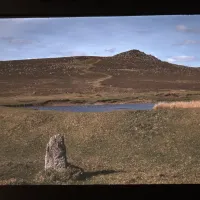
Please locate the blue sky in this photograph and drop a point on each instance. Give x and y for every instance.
(175, 39)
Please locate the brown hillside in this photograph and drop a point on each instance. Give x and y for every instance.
(137, 70)
(133, 70)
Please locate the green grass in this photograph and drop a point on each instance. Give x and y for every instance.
(121, 147)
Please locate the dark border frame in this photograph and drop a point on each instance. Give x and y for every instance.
(99, 192)
(80, 8)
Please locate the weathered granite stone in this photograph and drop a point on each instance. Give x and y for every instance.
(55, 157)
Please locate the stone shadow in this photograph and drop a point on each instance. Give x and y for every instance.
(88, 175)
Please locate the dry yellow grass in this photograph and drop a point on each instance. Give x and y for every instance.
(177, 104)
(120, 147)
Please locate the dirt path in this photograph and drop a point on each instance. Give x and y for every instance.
(96, 83)
(89, 66)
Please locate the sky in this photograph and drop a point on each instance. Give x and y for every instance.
(173, 38)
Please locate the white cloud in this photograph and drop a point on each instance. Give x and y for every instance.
(188, 42)
(111, 50)
(184, 28)
(181, 59)
(76, 53)
(18, 41)
(63, 53)
(191, 42)
(181, 28)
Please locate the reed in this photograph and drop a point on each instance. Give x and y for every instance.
(177, 104)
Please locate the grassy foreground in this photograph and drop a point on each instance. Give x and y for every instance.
(121, 147)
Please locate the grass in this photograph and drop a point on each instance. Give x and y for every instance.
(102, 98)
(177, 104)
(120, 147)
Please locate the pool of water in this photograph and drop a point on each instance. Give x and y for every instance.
(97, 108)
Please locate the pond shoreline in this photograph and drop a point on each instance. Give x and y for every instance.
(97, 108)
(68, 103)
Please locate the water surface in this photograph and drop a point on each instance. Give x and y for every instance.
(97, 108)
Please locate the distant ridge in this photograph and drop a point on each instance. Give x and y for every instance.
(52, 58)
(133, 55)
(128, 57)
(132, 52)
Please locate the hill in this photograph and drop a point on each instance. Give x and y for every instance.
(128, 72)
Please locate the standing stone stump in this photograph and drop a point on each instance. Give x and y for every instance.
(55, 157)
(57, 169)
